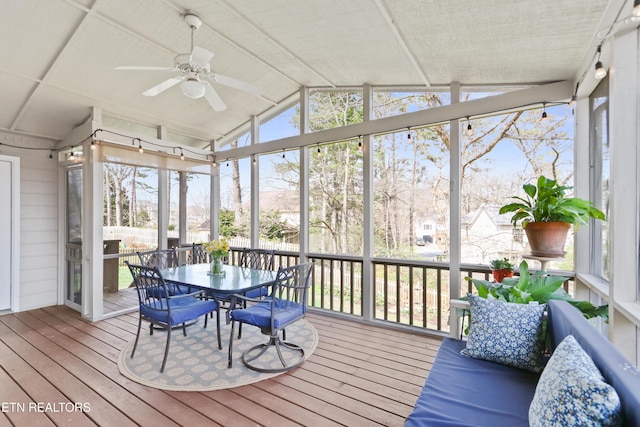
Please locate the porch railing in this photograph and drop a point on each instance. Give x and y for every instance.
(407, 292)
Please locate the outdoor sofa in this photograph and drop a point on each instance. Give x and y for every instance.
(465, 391)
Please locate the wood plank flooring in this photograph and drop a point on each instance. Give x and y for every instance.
(51, 360)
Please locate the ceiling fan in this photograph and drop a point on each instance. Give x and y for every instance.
(195, 73)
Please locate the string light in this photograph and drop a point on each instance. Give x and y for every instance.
(72, 157)
(51, 154)
(360, 147)
(409, 134)
(635, 13)
(469, 128)
(283, 153)
(319, 151)
(93, 144)
(600, 72)
(544, 112)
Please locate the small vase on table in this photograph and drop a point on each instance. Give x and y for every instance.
(216, 265)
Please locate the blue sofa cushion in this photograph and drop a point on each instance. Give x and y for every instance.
(572, 392)
(506, 333)
(565, 320)
(461, 391)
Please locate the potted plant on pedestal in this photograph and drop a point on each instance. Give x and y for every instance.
(501, 268)
(547, 214)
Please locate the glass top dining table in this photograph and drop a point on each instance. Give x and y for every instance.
(235, 280)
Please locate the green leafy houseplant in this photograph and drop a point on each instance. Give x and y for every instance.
(546, 209)
(546, 202)
(501, 268)
(540, 287)
(501, 264)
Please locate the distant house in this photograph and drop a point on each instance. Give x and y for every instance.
(425, 232)
(287, 204)
(486, 235)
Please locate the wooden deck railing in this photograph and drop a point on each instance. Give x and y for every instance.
(408, 292)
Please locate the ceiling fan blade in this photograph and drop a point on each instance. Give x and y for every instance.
(200, 56)
(142, 68)
(234, 83)
(157, 89)
(213, 98)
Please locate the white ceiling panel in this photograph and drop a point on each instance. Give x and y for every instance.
(13, 88)
(58, 56)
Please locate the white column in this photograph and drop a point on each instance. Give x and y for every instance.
(624, 94)
(255, 185)
(454, 206)
(304, 176)
(368, 288)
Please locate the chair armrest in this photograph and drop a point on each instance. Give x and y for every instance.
(454, 306)
(242, 297)
(192, 294)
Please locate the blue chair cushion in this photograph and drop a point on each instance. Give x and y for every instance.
(158, 291)
(182, 310)
(260, 314)
(257, 293)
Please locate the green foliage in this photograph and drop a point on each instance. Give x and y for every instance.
(227, 221)
(271, 226)
(501, 264)
(546, 202)
(540, 287)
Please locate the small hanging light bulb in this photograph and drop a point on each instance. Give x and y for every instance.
(409, 134)
(93, 144)
(635, 13)
(600, 72)
(360, 146)
(72, 156)
(469, 128)
(51, 154)
(319, 151)
(181, 155)
(283, 156)
(544, 112)
(140, 149)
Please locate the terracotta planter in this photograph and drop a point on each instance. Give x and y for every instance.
(498, 275)
(547, 239)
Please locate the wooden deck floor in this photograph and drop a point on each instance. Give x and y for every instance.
(51, 359)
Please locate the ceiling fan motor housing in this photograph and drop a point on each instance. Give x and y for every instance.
(193, 21)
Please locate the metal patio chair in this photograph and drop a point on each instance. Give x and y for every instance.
(287, 303)
(166, 311)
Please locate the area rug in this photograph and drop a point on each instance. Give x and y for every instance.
(195, 363)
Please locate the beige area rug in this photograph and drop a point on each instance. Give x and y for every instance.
(195, 363)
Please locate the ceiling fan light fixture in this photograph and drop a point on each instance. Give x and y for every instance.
(192, 88)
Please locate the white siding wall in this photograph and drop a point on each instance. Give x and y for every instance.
(38, 222)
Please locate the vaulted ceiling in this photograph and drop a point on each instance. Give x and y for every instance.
(58, 57)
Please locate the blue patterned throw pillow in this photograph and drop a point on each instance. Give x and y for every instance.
(572, 392)
(506, 333)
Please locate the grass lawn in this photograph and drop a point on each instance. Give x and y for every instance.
(124, 277)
